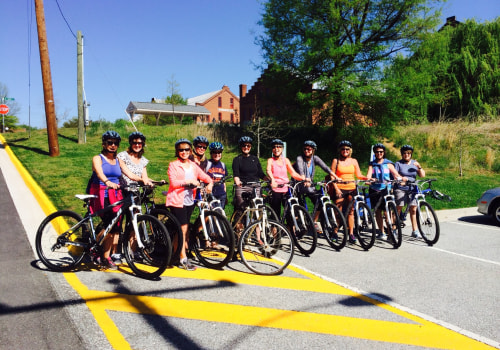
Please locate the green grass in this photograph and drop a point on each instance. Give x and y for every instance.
(436, 147)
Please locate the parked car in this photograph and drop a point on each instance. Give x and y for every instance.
(489, 204)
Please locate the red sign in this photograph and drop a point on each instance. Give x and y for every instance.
(4, 109)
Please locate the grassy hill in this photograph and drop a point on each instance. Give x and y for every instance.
(444, 150)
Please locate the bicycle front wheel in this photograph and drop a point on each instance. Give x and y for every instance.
(364, 227)
(213, 242)
(153, 258)
(395, 231)
(266, 249)
(173, 228)
(334, 226)
(61, 239)
(301, 226)
(428, 223)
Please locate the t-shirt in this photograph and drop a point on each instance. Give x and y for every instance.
(407, 170)
(248, 169)
(217, 171)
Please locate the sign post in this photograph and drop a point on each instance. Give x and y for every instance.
(4, 109)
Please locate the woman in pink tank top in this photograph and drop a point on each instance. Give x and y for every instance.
(278, 168)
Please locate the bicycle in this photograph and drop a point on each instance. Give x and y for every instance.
(390, 212)
(147, 199)
(211, 237)
(299, 221)
(427, 220)
(332, 220)
(64, 238)
(364, 227)
(265, 246)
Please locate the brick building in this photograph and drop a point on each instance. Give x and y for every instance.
(223, 105)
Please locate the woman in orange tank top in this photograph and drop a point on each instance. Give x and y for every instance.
(347, 169)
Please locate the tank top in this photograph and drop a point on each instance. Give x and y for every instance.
(346, 173)
(280, 174)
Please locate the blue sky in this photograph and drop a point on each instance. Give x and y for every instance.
(133, 48)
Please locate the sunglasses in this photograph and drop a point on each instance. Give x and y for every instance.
(407, 153)
(246, 146)
(379, 152)
(137, 143)
(183, 149)
(216, 152)
(345, 149)
(277, 146)
(200, 146)
(111, 143)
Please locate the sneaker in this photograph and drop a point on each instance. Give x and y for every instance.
(381, 235)
(352, 239)
(317, 226)
(117, 259)
(186, 265)
(415, 234)
(107, 263)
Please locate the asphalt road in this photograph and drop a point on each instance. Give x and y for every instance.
(417, 296)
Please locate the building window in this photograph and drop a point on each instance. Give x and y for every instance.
(231, 103)
(232, 118)
(220, 116)
(220, 101)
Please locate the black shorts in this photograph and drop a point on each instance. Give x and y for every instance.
(182, 214)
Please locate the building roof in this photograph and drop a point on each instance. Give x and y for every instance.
(202, 98)
(165, 108)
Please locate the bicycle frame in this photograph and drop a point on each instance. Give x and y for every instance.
(291, 202)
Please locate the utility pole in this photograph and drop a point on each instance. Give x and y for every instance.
(79, 82)
(48, 93)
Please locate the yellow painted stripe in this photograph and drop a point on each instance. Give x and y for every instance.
(423, 333)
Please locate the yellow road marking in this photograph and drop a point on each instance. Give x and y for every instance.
(418, 331)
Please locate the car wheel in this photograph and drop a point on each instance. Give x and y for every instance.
(496, 213)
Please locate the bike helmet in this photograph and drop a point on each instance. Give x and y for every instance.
(310, 143)
(245, 139)
(200, 139)
(216, 146)
(110, 134)
(344, 143)
(378, 145)
(136, 135)
(406, 148)
(179, 141)
(277, 142)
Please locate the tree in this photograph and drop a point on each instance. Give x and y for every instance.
(338, 44)
(175, 97)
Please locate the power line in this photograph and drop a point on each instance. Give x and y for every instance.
(62, 14)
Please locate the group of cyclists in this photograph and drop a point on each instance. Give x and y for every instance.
(113, 170)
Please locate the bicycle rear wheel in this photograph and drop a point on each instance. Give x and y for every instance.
(428, 223)
(266, 250)
(150, 261)
(334, 226)
(173, 227)
(61, 239)
(216, 251)
(303, 232)
(395, 232)
(364, 227)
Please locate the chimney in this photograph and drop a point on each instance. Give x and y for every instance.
(243, 90)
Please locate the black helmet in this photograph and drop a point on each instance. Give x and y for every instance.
(378, 145)
(216, 146)
(136, 135)
(310, 144)
(245, 139)
(110, 134)
(179, 141)
(200, 139)
(277, 142)
(344, 143)
(406, 148)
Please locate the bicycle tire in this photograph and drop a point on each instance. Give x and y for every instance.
(148, 262)
(271, 214)
(336, 229)
(237, 224)
(173, 227)
(364, 228)
(428, 223)
(60, 241)
(303, 233)
(269, 259)
(395, 232)
(218, 250)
